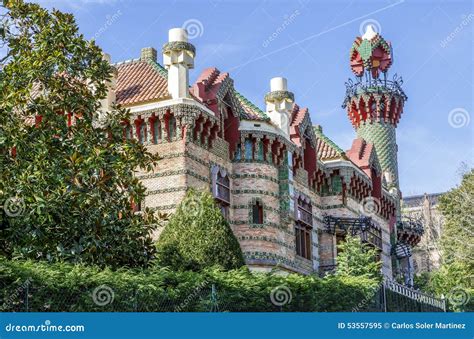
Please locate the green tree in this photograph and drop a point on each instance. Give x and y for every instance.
(357, 259)
(454, 279)
(66, 189)
(198, 236)
(457, 207)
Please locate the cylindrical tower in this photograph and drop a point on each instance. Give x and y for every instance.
(374, 104)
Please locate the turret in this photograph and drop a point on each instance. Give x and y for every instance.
(374, 104)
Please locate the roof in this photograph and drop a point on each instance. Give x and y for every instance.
(325, 147)
(250, 111)
(417, 200)
(140, 81)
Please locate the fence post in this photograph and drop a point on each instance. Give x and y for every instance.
(384, 296)
(27, 297)
(214, 305)
(135, 301)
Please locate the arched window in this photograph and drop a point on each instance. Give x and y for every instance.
(336, 183)
(156, 130)
(260, 151)
(142, 132)
(128, 131)
(171, 128)
(248, 149)
(324, 189)
(238, 153)
(257, 213)
(221, 189)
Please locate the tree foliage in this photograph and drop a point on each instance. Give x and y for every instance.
(454, 278)
(66, 188)
(64, 287)
(198, 236)
(356, 258)
(457, 207)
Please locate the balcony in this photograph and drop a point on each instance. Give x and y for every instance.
(364, 226)
(380, 86)
(410, 230)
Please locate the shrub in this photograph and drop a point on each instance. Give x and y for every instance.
(65, 287)
(357, 259)
(198, 236)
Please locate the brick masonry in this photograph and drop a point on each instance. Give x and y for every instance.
(186, 164)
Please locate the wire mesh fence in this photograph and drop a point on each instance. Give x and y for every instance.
(202, 298)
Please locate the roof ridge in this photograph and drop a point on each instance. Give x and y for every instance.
(251, 105)
(125, 62)
(324, 137)
(157, 66)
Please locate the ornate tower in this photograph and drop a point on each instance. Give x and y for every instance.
(374, 104)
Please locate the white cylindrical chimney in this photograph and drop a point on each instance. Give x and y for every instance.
(178, 58)
(278, 84)
(280, 104)
(177, 34)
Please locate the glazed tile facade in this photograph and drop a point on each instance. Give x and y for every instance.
(276, 177)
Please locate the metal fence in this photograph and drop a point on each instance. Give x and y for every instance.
(389, 297)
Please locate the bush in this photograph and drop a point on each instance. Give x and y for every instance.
(357, 259)
(198, 236)
(65, 287)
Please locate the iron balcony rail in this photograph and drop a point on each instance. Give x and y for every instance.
(415, 295)
(371, 85)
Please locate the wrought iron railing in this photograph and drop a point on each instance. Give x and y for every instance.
(373, 86)
(415, 295)
(363, 225)
(410, 224)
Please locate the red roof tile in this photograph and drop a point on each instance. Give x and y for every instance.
(140, 81)
(325, 147)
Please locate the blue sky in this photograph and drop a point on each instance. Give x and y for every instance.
(308, 42)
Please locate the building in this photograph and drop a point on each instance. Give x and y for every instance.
(290, 193)
(427, 254)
